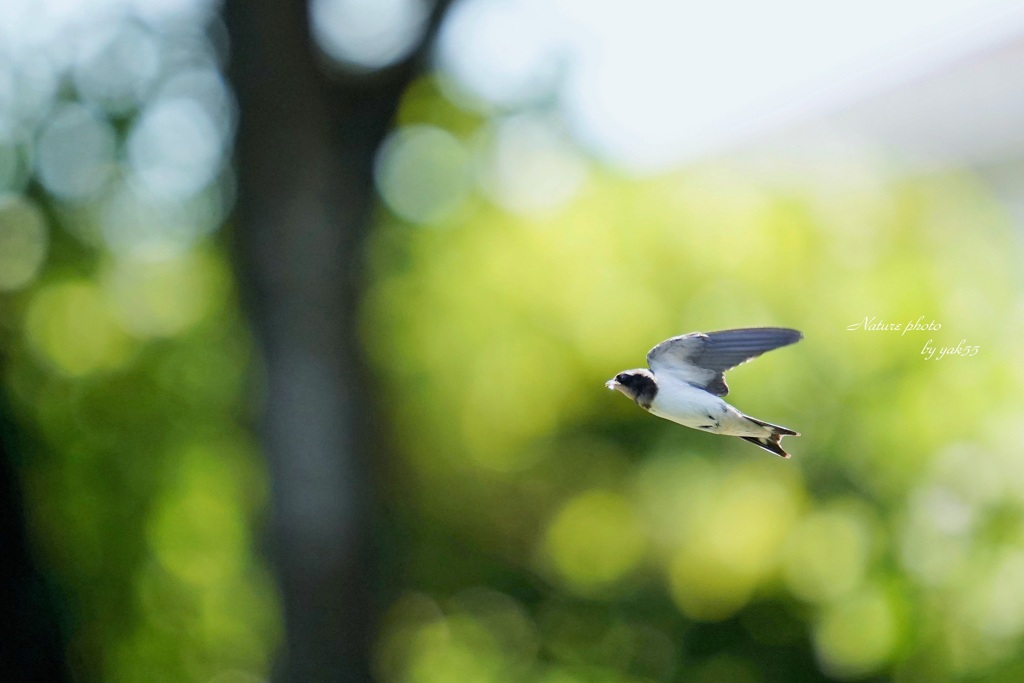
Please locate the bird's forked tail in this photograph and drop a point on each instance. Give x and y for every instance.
(771, 443)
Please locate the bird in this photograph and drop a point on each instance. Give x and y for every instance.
(685, 382)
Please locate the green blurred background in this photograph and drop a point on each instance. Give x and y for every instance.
(524, 523)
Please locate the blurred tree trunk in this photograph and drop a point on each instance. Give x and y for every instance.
(304, 159)
(32, 647)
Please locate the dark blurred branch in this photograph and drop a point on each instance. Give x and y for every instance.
(305, 150)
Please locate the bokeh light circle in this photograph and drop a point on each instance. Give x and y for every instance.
(529, 166)
(23, 242)
(500, 53)
(75, 154)
(423, 173)
(175, 149)
(367, 34)
(595, 540)
(71, 328)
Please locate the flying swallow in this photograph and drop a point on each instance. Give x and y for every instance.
(686, 382)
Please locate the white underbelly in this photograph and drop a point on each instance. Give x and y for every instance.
(692, 407)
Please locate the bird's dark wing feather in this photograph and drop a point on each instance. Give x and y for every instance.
(701, 359)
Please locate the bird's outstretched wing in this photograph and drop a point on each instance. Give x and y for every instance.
(701, 359)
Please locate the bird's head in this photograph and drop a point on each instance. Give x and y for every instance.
(638, 385)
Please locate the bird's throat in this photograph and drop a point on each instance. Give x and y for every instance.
(646, 391)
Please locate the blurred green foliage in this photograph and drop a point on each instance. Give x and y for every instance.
(124, 358)
(143, 485)
(547, 530)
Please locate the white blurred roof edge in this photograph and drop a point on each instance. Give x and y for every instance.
(960, 104)
(665, 83)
